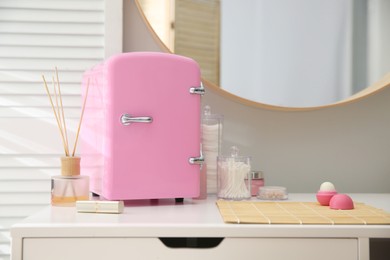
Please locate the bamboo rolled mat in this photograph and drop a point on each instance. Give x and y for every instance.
(257, 212)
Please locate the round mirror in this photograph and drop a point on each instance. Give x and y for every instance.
(288, 53)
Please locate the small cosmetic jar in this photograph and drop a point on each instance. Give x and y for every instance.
(272, 193)
(256, 182)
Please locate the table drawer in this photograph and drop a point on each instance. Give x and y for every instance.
(154, 248)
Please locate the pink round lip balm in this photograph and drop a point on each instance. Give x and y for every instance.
(324, 197)
(326, 192)
(341, 202)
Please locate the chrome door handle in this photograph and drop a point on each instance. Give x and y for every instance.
(127, 119)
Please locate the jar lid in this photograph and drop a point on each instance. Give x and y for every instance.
(234, 156)
(208, 115)
(257, 175)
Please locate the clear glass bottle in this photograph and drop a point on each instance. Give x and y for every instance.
(70, 186)
(234, 176)
(212, 126)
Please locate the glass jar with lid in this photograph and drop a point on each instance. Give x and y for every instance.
(234, 176)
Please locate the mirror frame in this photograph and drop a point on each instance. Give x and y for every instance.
(371, 90)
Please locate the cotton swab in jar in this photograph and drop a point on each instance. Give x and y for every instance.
(232, 178)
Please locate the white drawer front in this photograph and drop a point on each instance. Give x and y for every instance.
(153, 248)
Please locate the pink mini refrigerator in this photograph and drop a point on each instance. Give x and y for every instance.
(140, 136)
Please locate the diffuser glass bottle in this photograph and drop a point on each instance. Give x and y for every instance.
(70, 186)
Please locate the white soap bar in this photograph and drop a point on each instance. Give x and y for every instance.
(99, 206)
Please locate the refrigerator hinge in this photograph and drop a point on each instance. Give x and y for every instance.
(197, 160)
(198, 90)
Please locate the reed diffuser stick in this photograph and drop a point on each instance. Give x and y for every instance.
(63, 114)
(81, 119)
(59, 116)
(55, 114)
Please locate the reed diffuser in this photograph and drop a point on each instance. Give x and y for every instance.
(70, 186)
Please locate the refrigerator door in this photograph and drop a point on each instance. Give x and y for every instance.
(153, 126)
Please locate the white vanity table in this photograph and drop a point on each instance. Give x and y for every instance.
(62, 233)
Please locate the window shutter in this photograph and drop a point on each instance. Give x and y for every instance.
(35, 37)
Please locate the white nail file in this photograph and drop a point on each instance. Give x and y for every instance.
(99, 206)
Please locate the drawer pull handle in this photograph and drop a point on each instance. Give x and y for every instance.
(191, 242)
